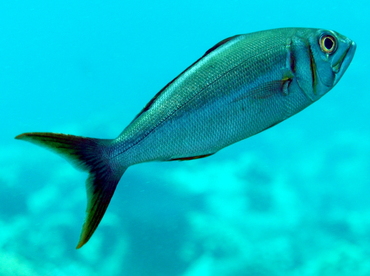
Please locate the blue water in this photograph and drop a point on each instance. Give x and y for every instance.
(290, 201)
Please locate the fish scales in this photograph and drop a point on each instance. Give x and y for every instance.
(240, 87)
(237, 71)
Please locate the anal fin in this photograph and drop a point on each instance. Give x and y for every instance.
(190, 157)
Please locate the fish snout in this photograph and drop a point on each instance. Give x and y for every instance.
(342, 59)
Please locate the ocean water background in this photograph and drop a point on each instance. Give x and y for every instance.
(293, 200)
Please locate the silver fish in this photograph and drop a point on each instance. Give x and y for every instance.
(240, 87)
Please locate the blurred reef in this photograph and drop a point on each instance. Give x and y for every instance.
(206, 217)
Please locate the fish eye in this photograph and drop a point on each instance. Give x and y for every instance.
(328, 44)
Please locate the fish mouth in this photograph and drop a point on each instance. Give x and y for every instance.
(343, 62)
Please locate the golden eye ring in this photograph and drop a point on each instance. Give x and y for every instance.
(328, 44)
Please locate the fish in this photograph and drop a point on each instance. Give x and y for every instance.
(241, 86)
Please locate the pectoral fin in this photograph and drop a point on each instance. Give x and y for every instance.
(287, 79)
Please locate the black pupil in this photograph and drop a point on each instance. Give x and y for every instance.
(328, 43)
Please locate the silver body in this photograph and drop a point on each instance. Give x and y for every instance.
(241, 86)
(238, 89)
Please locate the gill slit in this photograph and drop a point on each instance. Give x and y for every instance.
(313, 70)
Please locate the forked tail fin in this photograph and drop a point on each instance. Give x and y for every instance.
(91, 155)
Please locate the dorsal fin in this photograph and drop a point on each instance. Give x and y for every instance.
(218, 45)
(222, 42)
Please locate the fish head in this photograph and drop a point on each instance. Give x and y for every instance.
(327, 55)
